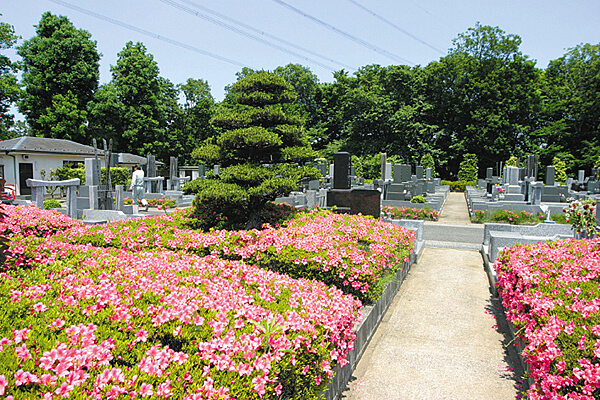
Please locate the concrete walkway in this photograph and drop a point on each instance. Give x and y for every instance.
(442, 337)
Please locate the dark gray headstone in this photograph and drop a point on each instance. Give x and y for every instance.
(550, 174)
(405, 173)
(202, 171)
(341, 168)
(150, 166)
(419, 172)
(489, 173)
(383, 162)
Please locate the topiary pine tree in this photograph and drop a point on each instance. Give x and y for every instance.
(261, 150)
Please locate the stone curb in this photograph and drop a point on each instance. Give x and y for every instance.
(372, 316)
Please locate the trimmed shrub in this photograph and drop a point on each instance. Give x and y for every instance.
(418, 199)
(52, 203)
(468, 168)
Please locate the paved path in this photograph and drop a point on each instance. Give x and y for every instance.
(440, 337)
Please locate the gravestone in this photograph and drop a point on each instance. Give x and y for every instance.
(217, 170)
(388, 171)
(513, 175)
(536, 194)
(532, 166)
(383, 165)
(151, 172)
(405, 172)
(91, 172)
(419, 172)
(341, 168)
(550, 175)
(581, 176)
(429, 173)
(489, 173)
(202, 171)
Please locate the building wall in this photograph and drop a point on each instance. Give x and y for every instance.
(40, 162)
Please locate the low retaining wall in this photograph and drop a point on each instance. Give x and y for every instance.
(372, 316)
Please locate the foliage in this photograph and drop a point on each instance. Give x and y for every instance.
(52, 203)
(572, 107)
(418, 199)
(137, 106)
(9, 87)
(60, 74)
(258, 138)
(192, 121)
(468, 168)
(581, 214)
(426, 213)
(511, 162)
(118, 175)
(514, 217)
(226, 328)
(560, 170)
(458, 186)
(3, 238)
(427, 161)
(353, 253)
(550, 293)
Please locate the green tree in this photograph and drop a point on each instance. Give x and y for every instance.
(192, 124)
(511, 162)
(9, 87)
(427, 161)
(60, 75)
(258, 148)
(136, 108)
(560, 170)
(572, 107)
(468, 168)
(484, 96)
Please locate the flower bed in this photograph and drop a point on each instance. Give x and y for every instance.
(411, 213)
(552, 297)
(84, 321)
(514, 217)
(351, 252)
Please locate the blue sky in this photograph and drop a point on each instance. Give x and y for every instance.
(390, 32)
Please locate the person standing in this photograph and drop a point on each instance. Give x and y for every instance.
(137, 185)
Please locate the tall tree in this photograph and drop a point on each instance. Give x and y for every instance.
(192, 125)
(139, 103)
(484, 96)
(571, 117)
(256, 132)
(9, 87)
(60, 74)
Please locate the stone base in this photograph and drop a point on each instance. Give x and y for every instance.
(356, 201)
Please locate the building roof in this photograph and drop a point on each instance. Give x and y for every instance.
(29, 144)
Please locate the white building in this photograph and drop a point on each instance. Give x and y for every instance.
(25, 157)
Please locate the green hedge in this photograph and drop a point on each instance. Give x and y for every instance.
(458, 186)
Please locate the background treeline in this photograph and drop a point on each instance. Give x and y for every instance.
(484, 97)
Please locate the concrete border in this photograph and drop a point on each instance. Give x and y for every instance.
(372, 316)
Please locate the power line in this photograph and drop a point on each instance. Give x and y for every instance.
(147, 33)
(241, 32)
(373, 13)
(260, 32)
(346, 34)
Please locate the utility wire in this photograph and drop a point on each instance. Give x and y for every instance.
(346, 34)
(379, 17)
(147, 33)
(260, 32)
(241, 32)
